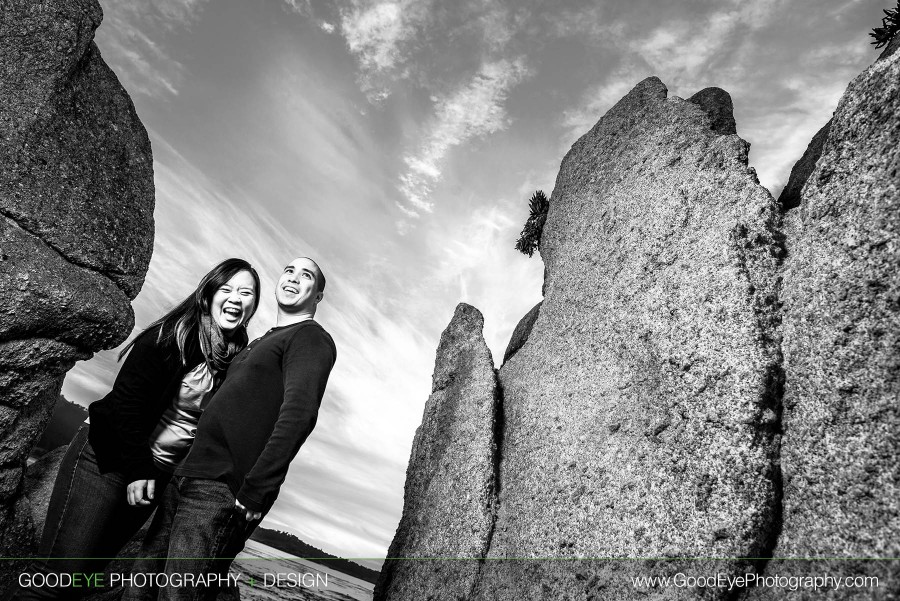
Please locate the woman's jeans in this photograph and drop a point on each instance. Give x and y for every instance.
(196, 531)
(88, 520)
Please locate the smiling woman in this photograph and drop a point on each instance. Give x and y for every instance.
(234, 301)
(115, 469)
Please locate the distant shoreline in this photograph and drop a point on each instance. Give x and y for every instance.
(289, 543)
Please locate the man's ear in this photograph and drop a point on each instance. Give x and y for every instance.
(319, 297)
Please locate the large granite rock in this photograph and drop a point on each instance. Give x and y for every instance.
(641, 417)
(841, 344)
(77, 168)
(76, 220)
(450, 482)
(647, 410)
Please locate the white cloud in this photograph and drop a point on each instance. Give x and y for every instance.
(130, 39)
(586, 21)
(474, 110)
(409, 41)
(171, 13)
(301, 7)
(498, 25)
(683, 51)
(375, 33)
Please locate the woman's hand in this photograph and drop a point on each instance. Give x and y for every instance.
(248, 514)
(140, 492)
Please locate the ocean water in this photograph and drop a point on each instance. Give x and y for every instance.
(268, 574)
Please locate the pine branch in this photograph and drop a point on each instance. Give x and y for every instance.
(530, 238)
(890, 26)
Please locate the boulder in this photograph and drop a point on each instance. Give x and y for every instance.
(641, 418)
(77, 167)
(841, 344)
(76, 222)
(716, 103)
(448, 505)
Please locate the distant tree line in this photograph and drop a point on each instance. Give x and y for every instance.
(284, 541)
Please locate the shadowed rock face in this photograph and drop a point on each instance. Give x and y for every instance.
(450, 481)
(76, 220)
(521, 332)
(841, 341)
(790, 197)
(640, 417)
(716, 103)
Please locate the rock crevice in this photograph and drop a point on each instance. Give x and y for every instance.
(841, 341)
(111, 275)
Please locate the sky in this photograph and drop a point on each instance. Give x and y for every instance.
(397, 143)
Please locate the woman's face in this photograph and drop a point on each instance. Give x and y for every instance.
(233, 302)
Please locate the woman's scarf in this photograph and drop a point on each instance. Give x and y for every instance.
(218, 349)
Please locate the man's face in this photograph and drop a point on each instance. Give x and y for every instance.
(297, 288)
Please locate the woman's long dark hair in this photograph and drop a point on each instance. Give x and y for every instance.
(182, 323)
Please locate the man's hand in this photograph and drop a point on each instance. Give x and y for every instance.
(248, 514)
(140, 492)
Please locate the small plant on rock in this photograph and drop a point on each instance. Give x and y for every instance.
(530, 238)
(890, 26)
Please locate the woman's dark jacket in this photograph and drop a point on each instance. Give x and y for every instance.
(122, 421)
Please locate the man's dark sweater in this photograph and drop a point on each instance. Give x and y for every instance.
(256, 422)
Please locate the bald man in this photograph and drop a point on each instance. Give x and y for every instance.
(246, 438)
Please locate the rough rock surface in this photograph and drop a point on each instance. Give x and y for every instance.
(641, 416)
(76, 221)
(790, 196)
(521, 332)
(450, 481)
(841, 342)
(651, 412)
(77, 168)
